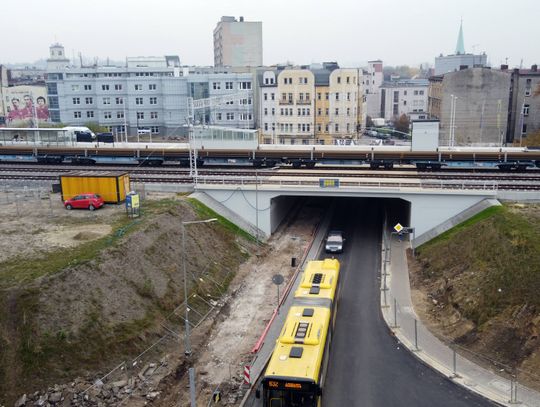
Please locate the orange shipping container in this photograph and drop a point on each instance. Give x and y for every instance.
(112, 186)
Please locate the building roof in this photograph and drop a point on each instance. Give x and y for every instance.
(402, 83)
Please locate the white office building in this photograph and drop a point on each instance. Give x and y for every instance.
(406, 96)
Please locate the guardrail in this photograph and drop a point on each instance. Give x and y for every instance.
(347, 184)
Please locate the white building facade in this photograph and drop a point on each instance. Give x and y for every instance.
(407, 96)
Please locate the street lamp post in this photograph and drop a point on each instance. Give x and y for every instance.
(187, 342)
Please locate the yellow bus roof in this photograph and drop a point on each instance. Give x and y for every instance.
(300, 346)
(319, 279)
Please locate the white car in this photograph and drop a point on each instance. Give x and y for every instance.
(334, 242)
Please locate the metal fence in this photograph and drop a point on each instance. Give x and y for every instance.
(472, 369)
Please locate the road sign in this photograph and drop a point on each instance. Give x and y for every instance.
(277, 279)
(398, 228)
(329, 182)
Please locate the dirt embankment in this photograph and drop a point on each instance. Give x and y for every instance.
(92, 291)
(477, 286)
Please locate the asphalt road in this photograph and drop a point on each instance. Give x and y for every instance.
(368, 367)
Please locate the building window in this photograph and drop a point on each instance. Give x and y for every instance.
(339, 79)
(326, 128)
(228, 85)
(300, 112)
(88, 101)
(153, 100)
(348, 79)
(265, 126)
(218, 116)
(138, 101)
(153, 115)
(319, 128)
(273, 111)
(216, 85)
(272, 96)
(348, 127)
(265, 96)
(75, 88)
(525, 110)
(117, 87)
(107, 115)
(87, 87)
(104, 87)
(319, 111)
(245, 101)
(76, 101)
(327, 96)
(266, 111)
(245, 116)
(348, 111)
(140, 115)
(337, 111)
(119, 115)
(89, 114)
(337, 95)
(106, 101)
(416, 92)
(405, 93)
(244, 85)
(230, 116)
(421, 92)
(138, 87)
(119, 101)
(348, 95)
(404, 103)
(318, 95)
(152, 86)
(154, 129)
(327, 111)
(77, 115)
(336, 128)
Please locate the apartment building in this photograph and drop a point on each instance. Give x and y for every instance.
(238, 43)
(372, 80)
(404, 96)
(147, 93)
(268, 105)
(524, 111)
(295, 113)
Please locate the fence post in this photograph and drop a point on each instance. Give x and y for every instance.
(416, 335)
(395, 314)
(454, 374)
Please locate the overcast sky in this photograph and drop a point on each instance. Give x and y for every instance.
(301, 31)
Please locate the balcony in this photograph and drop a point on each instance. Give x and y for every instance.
(303, 102)
(286, 102)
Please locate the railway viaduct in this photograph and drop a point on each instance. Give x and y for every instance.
(263, 203)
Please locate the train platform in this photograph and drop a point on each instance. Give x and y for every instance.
(398, 312)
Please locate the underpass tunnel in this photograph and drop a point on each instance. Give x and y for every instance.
(347, 211)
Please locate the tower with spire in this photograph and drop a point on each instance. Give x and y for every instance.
(460, 46)
(459, 59)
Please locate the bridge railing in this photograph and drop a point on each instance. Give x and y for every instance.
(471, 185)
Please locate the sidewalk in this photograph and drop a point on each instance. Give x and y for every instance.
(398, 312)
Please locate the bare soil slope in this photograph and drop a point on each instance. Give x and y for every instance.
(88, 291)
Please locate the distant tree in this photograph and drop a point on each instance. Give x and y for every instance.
(96, 128)
(402, 124)
(369, 121)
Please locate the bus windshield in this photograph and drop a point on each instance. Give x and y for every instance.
(287, 398)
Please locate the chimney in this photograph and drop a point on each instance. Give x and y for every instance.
(534, 68)
(241, 19)
(504, 67)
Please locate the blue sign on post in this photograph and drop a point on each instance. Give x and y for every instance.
(329, 182)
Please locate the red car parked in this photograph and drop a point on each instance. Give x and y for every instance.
(85, 201)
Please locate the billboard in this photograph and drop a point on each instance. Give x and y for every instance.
(26, 106)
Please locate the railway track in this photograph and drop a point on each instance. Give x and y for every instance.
(7, 171)
(386, 180)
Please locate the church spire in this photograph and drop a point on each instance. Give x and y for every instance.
(460, 46)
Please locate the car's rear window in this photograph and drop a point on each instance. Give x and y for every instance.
(97, 196)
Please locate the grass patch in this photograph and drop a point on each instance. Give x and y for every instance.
(449, 234)
(205, 212)
(495, 259)
(22, 270)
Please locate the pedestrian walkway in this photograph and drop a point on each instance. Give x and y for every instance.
(398, 312)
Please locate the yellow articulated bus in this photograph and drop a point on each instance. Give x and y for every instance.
(296, 371)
